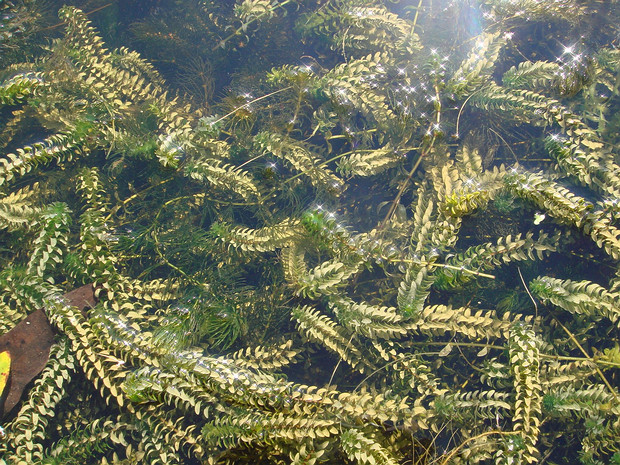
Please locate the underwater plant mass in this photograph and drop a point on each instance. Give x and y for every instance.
(317, 231)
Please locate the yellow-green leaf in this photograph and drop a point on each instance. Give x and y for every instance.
(5, 369)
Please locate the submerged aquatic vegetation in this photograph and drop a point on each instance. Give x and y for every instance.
(396, 248)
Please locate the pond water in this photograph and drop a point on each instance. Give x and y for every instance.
(338, 232)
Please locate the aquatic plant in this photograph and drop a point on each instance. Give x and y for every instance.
(310, 275)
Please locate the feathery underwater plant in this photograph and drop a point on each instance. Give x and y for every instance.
(341, 269)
